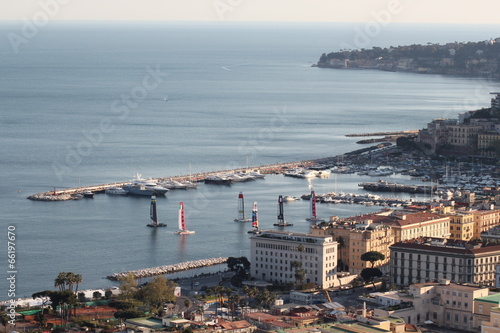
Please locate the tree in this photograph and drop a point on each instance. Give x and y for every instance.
(239, 265)
(40, 319)
(187, 303)
(372, 257)
(4, 320)
(128, 286)
(158, 291)
(65, 300)
(369, 274)
(97, 295)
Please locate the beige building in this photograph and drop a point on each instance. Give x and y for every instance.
(277, 256)
(355, 239)
(416, 262)
(443, 304)
(484, 220)
(493, 324)
(461, 226)
(464, 135)
(482, 309)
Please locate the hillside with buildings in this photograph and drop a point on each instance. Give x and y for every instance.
(472, 133)
(477, 59)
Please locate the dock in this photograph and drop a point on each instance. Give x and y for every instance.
(66, 194)
(168, 269)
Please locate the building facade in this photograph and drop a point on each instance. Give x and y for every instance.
(279, 256)
(462, 226)
(355, 239)
(484, 220)
(417, 262)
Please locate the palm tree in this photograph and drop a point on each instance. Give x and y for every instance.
(60, 281)
(77, 279)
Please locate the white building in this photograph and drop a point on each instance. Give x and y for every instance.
(277, 256)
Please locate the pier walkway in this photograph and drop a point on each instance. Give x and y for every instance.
(66, 194)
(168, 269)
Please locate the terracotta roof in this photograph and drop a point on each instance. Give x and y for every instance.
(403, 219)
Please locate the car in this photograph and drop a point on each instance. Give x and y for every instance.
(196, 283)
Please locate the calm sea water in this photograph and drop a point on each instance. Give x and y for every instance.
(238, 95)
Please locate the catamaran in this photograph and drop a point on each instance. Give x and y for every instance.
(182, 222)
(255, 220)
(241, 209)
(153, 215)
(312, 207)
(281, 214)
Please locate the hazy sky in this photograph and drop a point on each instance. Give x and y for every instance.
(435, 11)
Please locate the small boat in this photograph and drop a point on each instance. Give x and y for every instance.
(153, 215)
(281, 215)
(77, 196)
(288, 198)
(115, 191)
(88, 194)
(182, 222)
(255, 221)
(241, 209)
(219, 180)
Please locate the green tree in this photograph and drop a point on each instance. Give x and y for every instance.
(158, 291)
(187, 303)
(97, 295)
(41, 320)
(239, 265)
(4, 320)
(369, 274)
(128, 286)
(65, 300)
(372, 257)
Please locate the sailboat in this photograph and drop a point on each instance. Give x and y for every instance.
(281, 214)
(313, 217)
(241, 209)
(153, 215)
(182, 222)
(255, 220)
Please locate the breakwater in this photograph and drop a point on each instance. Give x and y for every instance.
(384, 133)
(168, 269)
(67, 194)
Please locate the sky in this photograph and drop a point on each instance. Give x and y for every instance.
(404, 11)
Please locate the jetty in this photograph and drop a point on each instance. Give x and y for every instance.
(409, 132)
(168, 269)
(68, 193)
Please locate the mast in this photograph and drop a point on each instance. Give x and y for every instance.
(255, 216)
(313, 205)
(281, 216)
(182, 219)
(152, 210)
(241, 207)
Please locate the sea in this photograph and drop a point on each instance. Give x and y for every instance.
(85, 103)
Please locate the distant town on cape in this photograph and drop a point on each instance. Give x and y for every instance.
(476, 59)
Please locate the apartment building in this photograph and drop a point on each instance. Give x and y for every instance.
(355, 239)
(484, 220)
(443, 303)
(461, 226)
(277, 256)
(423, 261)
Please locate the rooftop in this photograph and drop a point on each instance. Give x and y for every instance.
(495, 299)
